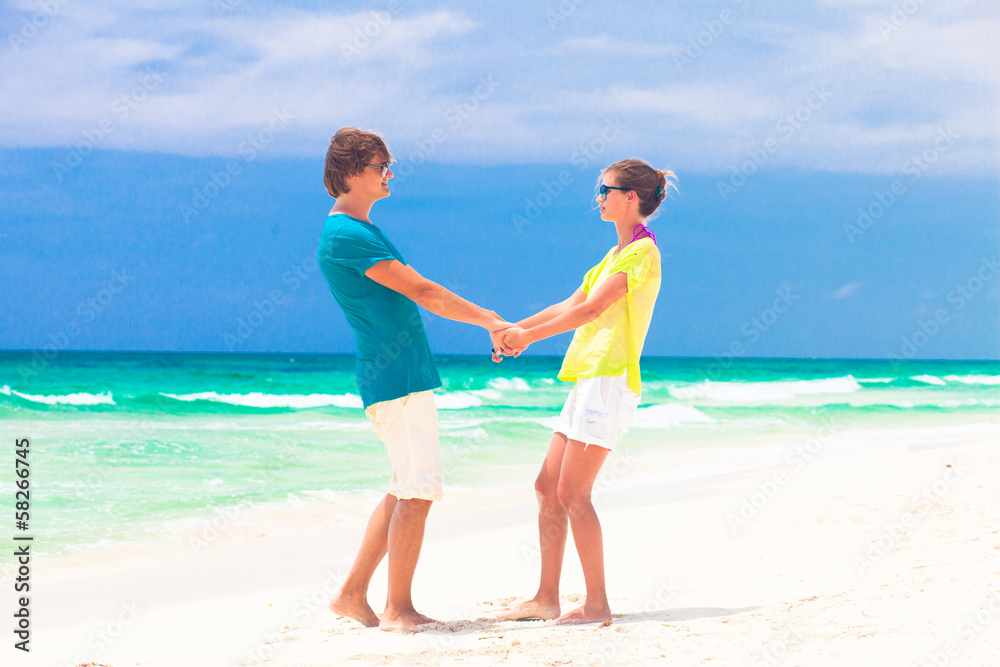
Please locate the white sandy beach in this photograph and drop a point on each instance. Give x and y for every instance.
(847, 559)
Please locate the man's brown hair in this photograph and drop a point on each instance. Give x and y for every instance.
(350, 151)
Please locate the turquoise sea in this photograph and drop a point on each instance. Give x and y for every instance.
(131, 448)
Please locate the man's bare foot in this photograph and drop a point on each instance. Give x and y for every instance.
(360, 611)
(585, 614)
(406, 621)
(529, 611)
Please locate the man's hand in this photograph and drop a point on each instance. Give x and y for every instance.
(500, 349)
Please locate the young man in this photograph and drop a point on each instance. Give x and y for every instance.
(379, 293)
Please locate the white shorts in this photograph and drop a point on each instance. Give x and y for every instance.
(408, 427)
(598, 411)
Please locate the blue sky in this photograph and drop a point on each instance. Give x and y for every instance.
(838, 162)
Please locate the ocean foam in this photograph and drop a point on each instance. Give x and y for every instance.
(971, 402)
(876, 380)
(974, 379)
(669, 414)
(453, 424)
(511, 384)
(489, 394)
(104, 398)
(457, 400)
(929, 379)
(548, 422)
(259, 400)
(476, 434)
(752, 392)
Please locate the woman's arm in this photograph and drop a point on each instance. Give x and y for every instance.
(573, 317)
(554, 310)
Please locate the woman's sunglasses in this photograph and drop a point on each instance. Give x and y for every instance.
(602, 190)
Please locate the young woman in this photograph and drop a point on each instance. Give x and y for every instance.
(611, 313)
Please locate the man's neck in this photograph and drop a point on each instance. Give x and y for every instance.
(356, 209)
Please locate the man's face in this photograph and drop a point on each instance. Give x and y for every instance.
(371, 182)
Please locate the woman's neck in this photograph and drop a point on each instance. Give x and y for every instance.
(626, 230)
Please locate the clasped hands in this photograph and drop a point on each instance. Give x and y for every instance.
(508, 340)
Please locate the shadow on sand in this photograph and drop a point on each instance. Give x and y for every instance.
(496, 626)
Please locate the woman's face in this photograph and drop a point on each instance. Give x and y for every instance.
(614, 203)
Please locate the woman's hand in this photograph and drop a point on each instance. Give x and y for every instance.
(500, 348)
(517, 338)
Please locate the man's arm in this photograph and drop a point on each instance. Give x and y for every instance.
(607, 293)
(426, 293)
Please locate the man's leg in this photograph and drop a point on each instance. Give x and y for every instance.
(552, 529)
(576, 480)
(352, 600)
(406, 535)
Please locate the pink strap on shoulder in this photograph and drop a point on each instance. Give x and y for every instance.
(641, 231)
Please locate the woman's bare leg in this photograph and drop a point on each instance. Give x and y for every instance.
(552, 528)
(576, 480)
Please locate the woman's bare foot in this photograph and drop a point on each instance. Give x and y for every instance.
(359, 610)
(531, 610)
(408, 620)
(585, 614)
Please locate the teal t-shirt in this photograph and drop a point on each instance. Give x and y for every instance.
(394, 357)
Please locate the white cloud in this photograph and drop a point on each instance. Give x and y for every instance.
(404, 72)
(846, 291)
(612, 47)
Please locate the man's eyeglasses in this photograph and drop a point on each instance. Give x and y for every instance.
(384, 167)
(602, 190)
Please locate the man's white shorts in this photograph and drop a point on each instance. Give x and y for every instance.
(598, 411)
(409, 428)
